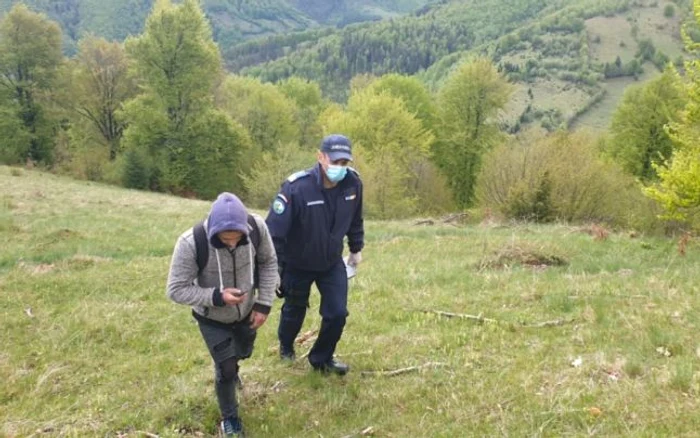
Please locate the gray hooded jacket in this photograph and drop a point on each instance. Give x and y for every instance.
(232, 267)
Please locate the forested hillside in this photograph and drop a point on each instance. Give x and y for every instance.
(233, 21)
(567, 56)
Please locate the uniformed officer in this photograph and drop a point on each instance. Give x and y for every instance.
(308, 221)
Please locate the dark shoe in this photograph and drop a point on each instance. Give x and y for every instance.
(287, 354)
(231, 427)
(333, 367)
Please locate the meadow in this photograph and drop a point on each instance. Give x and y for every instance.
(456, 329)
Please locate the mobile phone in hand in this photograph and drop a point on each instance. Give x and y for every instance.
(240, 293)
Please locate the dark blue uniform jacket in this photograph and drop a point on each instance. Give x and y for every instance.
(308, 222)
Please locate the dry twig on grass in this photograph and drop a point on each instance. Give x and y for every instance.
(424, 222)
(481, 319)
(304, 337)
(478, 318)
(392, 373)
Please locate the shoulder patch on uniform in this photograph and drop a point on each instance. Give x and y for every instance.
(278, 206)
(295, 176)
(353, 170)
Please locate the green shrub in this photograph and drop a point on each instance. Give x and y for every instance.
(560, 176)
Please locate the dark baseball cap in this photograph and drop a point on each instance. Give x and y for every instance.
(338, 147)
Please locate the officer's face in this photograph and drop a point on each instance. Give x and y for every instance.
(325, 161)
(230, 238)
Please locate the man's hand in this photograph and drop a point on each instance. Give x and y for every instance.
(355, 258)
(232, 296)
(257, 319)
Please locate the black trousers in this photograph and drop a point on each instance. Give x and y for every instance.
(333, 287)
(227, 344)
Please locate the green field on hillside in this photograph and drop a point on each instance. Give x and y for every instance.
(565, 330)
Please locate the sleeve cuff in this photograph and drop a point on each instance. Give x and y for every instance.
(261, 308)
(217, 298)
(356, 248)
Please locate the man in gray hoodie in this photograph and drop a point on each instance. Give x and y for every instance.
(227, 308)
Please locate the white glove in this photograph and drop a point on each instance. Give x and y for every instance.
(355, 258)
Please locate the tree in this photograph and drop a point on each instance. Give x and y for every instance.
(638, 136)
(267, 114)
(412, 92)
(30, 53)
(309, 104)
(98, 85)
(194, 148)
(390, 144)
(678, 189)
(468, 105)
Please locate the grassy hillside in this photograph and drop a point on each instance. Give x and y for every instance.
(572, 335)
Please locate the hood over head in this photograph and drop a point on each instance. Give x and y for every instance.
(227, 214)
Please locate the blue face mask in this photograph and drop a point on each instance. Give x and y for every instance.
(336, 173)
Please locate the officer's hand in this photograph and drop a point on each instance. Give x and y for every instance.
(257, 319)
(355, 258)
(232, 296)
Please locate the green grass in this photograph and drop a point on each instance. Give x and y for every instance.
(92, 347)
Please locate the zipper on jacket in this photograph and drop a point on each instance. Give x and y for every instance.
(235, 280)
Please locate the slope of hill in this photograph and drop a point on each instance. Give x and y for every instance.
(454, 330)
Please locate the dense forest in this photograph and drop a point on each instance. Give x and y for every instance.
(451, 107)
(233, 21)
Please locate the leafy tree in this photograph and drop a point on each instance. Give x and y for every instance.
(97, 86)
(271, 169)
(267, 114)
(309, 104)
(30, 53)
(412, 92)
(390, 145)
(468, 105)
(638, 136)
(678, 189)
(193, 147)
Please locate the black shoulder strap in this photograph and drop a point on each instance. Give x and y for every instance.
(254, 238)
(254, 235)
(201, 246)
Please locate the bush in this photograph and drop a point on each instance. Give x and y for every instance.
(669, 11)
(560, 176)
(136, 174)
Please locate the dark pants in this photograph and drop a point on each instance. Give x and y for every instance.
(227, 344)
(333, 286)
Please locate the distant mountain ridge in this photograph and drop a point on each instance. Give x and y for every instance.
(233, 21)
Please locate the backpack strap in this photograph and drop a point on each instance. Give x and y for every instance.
(254, 235)
(201, 246)
(254, 239)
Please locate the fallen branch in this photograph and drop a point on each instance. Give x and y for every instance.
(306, 336)
(424, 222)
(454, 217)
(481, 319)
(478, 318)
(148, 434)
(392, 373)
(554, 323)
